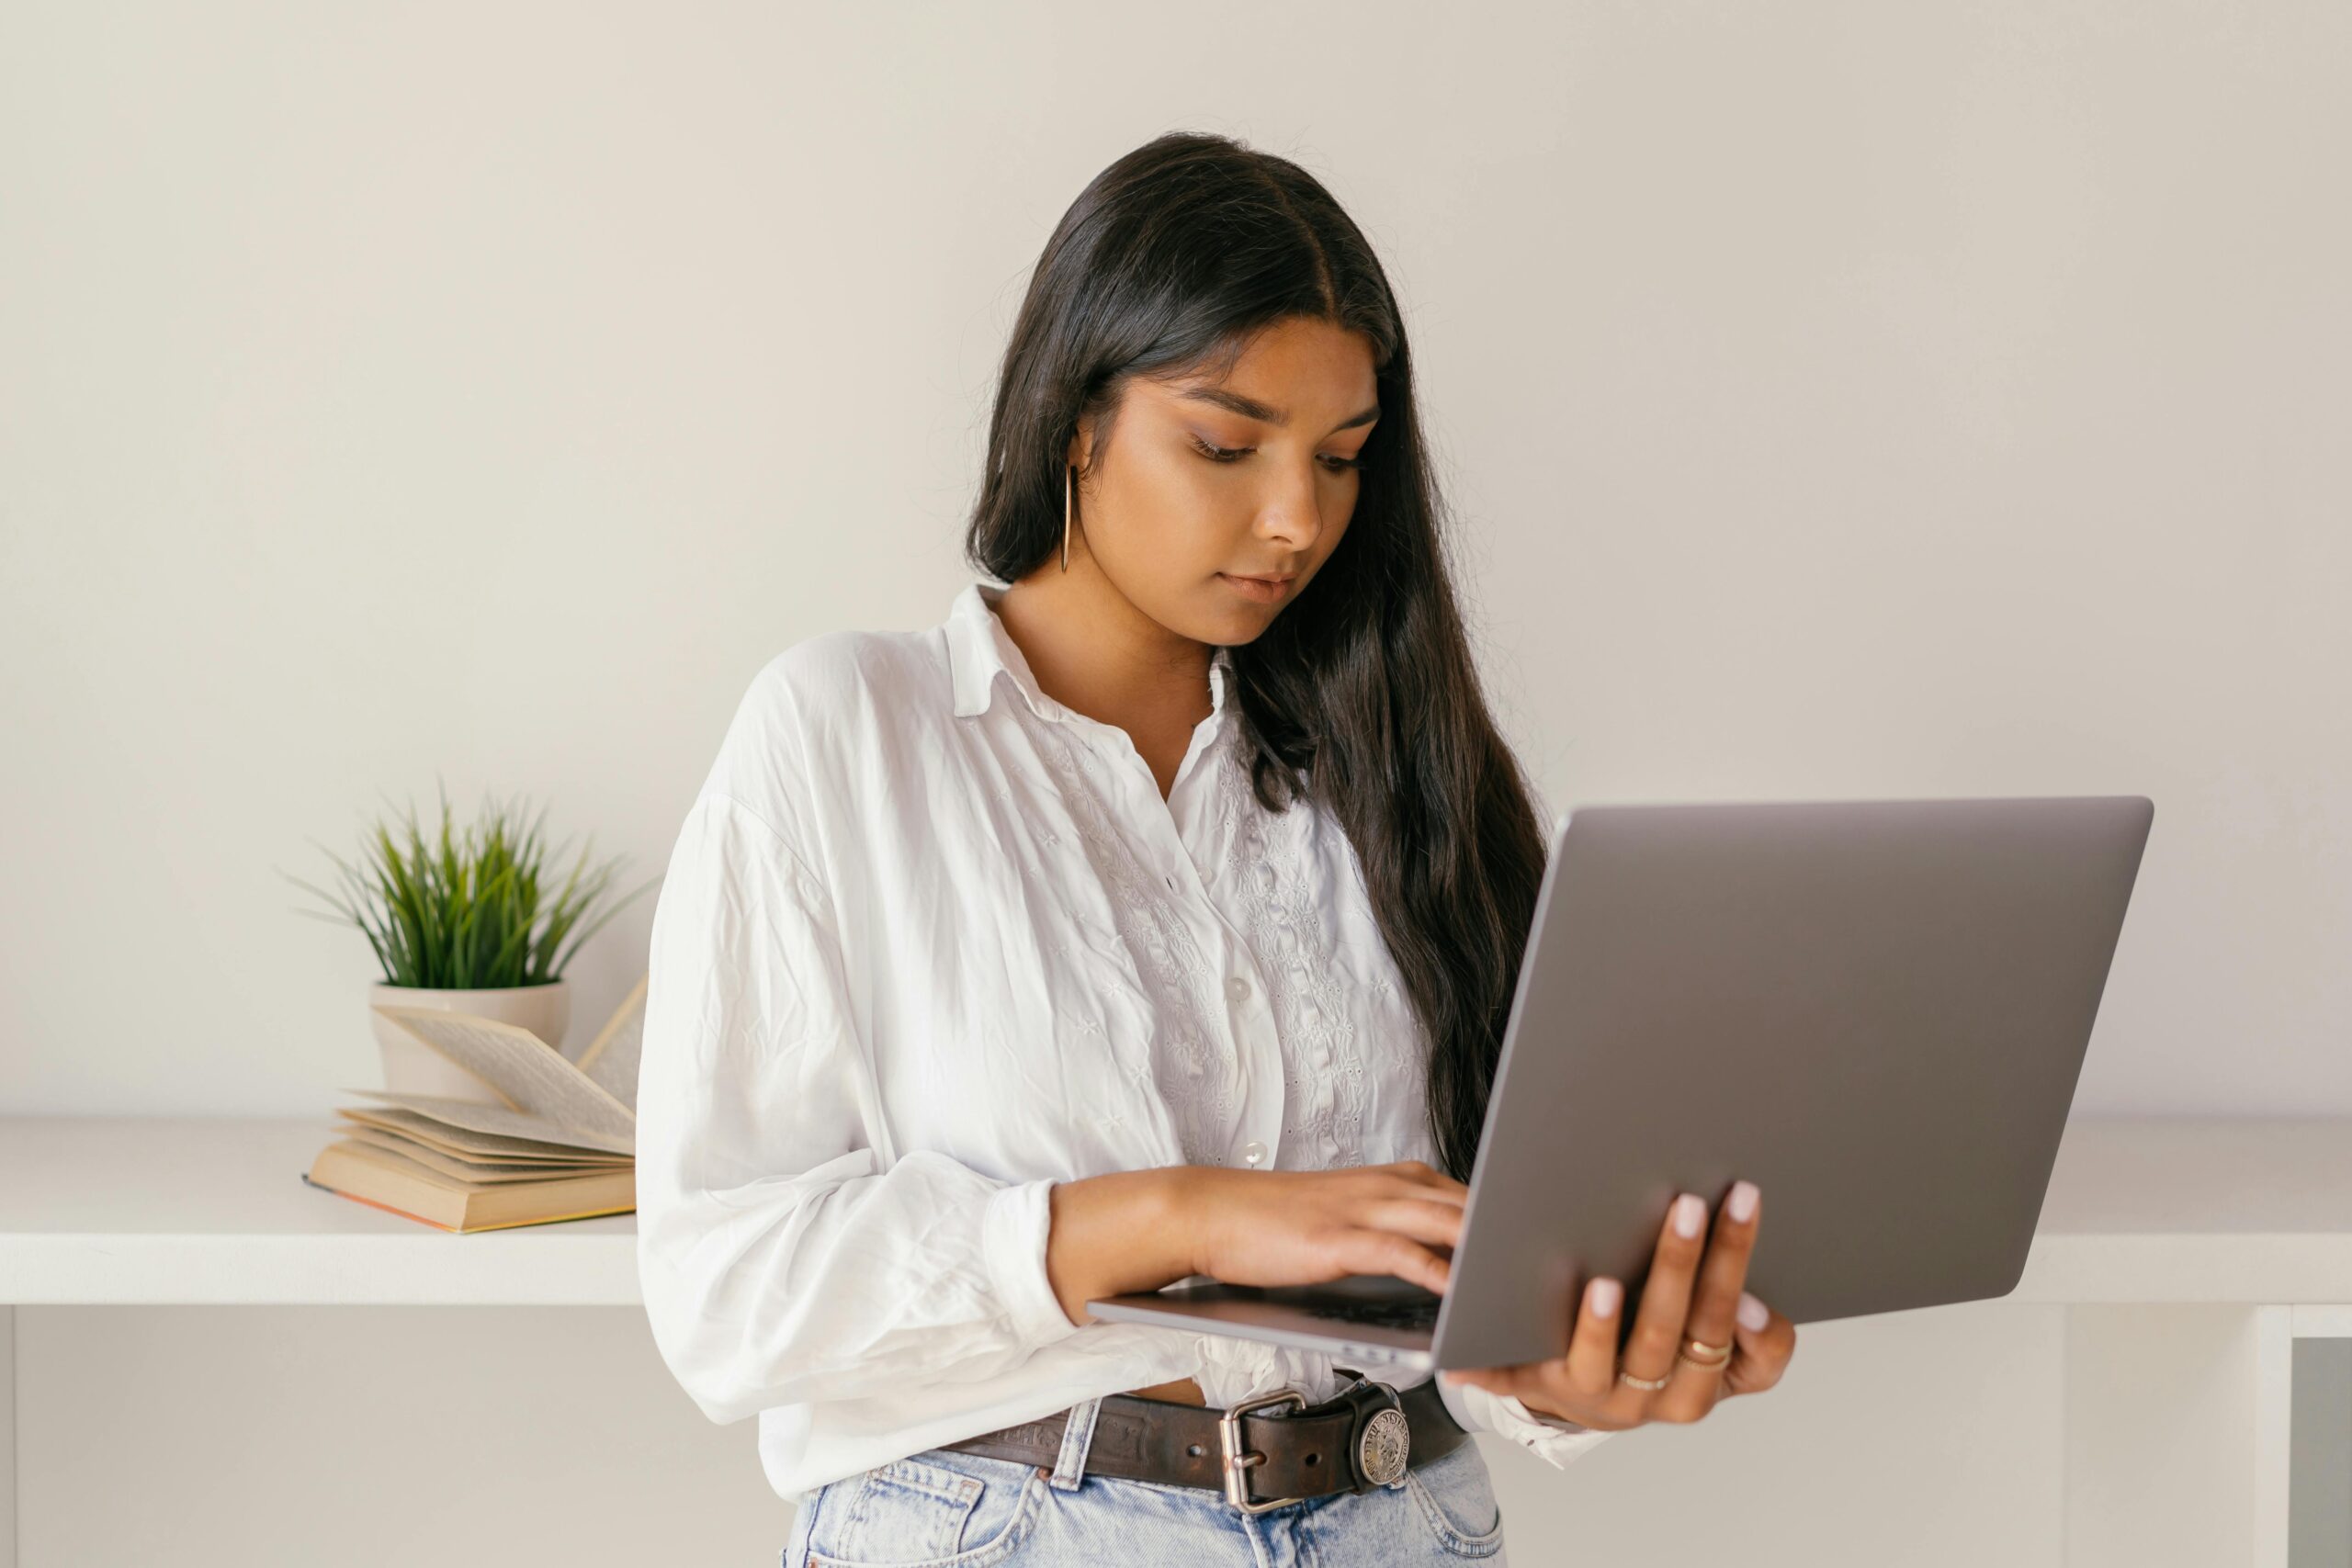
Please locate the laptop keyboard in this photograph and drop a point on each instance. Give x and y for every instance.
(1386, 1314)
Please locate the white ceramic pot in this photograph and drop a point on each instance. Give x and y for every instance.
(411, 1067)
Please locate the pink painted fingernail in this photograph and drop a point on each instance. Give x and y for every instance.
(1753, 1314)
(1742, 1202)
(1606, 1294)
(1689, 1214)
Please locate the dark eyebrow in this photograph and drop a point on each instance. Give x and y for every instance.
(1264, 413)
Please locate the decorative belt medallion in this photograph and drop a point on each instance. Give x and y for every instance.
(1381, 1452)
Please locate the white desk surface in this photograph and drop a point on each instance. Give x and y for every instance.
(187, 1209)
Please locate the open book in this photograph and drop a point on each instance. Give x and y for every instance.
(559, 1145)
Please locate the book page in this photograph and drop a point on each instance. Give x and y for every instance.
(476, 1117)
(611, 1058)
(523, 1069)
(480, 1173)
(468, 1144)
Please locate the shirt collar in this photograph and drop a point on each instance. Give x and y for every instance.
(979, 649)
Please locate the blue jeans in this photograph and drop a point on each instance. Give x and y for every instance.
(945, 1508)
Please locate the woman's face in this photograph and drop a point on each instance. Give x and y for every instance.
(1171, 525)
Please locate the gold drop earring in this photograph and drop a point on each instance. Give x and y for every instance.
(1068, 479)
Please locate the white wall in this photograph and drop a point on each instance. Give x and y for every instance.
(1840, 399)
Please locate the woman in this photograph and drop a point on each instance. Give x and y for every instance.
(1156, 914)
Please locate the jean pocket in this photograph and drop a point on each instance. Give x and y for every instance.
(921, 1512)
(1456, 1497)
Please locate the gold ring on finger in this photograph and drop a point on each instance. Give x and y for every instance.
(1701, 1354)
(1653, 1384)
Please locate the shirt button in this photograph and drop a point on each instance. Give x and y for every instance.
(1238, 989)
(1253, 1153)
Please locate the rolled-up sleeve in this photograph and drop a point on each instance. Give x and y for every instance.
(781, 1260)
(1482, 1410)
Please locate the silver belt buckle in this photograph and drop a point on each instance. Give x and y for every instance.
(1237, 1463)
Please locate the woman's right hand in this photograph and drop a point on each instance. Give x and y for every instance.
(1305, 1227)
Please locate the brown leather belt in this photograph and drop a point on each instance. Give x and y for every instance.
(1259, 1453)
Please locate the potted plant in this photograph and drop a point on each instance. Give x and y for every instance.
(470, 921)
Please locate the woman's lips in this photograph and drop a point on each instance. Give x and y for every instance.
(1265, 591)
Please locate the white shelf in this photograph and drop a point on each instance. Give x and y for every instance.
(192, 1209)
(186, 1210)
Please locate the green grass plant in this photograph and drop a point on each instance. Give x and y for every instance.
(469, 907)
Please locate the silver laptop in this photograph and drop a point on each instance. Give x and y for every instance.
(1876, 1011)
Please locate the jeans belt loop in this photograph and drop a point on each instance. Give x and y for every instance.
(1077, 1437)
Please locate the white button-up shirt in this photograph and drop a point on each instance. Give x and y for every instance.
(930, 942)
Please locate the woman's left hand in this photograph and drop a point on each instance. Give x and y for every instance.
(1696, 1291)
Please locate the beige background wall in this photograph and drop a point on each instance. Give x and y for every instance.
(1839, 399)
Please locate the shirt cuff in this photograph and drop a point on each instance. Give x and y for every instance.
(1552, 1438)
(1014, 1227)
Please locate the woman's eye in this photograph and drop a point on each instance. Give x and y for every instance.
(1234, 454)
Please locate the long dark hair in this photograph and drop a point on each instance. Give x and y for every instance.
(1362, 695)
